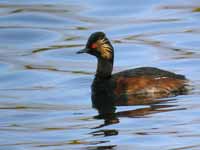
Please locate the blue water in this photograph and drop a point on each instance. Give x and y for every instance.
(45, 87)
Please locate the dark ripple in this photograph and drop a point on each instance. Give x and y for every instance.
(34, 20)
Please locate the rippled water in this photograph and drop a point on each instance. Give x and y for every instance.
(45, 87)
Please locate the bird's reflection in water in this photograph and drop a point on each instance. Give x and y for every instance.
(107, 108)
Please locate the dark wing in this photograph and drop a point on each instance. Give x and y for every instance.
(148, 71)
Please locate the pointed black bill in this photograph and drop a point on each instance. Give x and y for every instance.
(85, 50)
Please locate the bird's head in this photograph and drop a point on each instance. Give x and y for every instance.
(99, 46)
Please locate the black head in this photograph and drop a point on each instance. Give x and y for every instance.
(99, 46)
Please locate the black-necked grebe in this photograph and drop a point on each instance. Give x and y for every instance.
(139, 82)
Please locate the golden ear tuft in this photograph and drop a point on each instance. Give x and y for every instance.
(104, 48)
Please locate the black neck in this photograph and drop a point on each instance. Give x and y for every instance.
(104, 68)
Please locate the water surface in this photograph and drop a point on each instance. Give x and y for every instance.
(45, 87)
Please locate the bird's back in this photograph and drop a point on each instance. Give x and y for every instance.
(147, 81)
(148, 71)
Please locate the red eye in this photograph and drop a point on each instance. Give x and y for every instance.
(94, 45)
